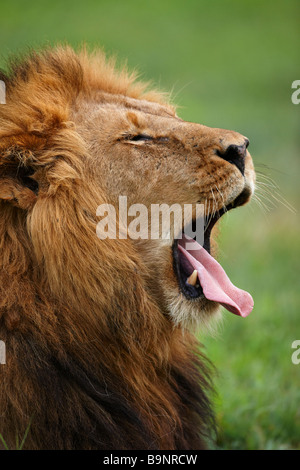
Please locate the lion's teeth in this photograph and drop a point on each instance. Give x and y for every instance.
(192, 280)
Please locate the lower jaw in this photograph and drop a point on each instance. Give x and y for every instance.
(196, 315)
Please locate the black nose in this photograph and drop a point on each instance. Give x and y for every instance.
(236, 154)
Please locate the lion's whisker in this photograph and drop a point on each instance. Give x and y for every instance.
(263, 192)
(222, 198)
(261, 204)
(266, 180)
(272, 193)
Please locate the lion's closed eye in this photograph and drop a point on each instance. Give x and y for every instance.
(145, 138)
(139, 138)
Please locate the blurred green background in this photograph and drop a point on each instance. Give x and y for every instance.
(230, 64)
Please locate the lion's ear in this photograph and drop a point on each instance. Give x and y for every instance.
(17, 183)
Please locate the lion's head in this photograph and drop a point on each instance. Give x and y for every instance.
(76, 135)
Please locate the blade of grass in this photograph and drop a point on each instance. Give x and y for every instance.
(3, 442)
(25, 435)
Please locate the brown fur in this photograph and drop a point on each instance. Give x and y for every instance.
(98, 356)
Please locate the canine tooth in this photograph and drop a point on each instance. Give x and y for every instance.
(192, 280)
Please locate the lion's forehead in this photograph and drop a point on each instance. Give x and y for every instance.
(113, 105)
(136, 104)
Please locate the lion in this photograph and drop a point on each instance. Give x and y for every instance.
(101, 350)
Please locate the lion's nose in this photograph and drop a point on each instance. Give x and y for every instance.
(236, 154)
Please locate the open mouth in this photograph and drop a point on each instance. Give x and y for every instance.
(201, 276)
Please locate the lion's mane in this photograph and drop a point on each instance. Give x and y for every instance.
(92, 363)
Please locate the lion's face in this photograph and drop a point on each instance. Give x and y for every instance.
(143, 151)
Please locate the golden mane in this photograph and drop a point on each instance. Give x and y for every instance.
(42, 87)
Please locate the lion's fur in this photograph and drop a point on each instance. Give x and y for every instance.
(98, 356)
(92, 362)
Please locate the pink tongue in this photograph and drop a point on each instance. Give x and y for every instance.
(214, 281)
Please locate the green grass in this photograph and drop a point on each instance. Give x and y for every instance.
(230, 64)
(19, 444)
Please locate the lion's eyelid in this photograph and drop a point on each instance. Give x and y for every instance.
(139, 137)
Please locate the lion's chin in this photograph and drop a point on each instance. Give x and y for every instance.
(194, 315)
